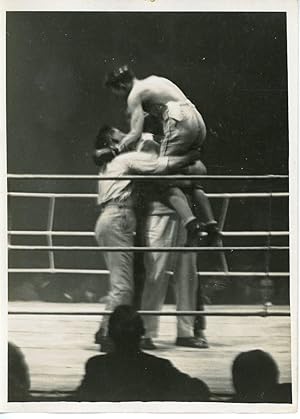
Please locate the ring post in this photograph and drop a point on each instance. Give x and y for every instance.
(266, 282)
(50, 223)
(221, 223)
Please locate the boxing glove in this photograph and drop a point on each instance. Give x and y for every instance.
(104, 155)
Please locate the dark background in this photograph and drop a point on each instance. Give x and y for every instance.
(233, 66)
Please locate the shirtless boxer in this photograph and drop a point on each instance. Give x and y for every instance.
(184, 129)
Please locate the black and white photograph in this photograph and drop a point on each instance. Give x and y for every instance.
(150, 249)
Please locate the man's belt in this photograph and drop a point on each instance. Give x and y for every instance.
(126, 203)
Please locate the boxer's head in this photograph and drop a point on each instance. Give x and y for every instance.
(120, 81)
(108, 137)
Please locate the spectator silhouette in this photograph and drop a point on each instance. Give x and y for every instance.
(255, 378)
(18, 375)
(128, 374)
(280, 393)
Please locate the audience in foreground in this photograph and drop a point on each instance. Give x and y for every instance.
(255, 378)
(18, 375)
(128, 374)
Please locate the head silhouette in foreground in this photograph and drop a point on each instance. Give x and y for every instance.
(255, 378)
(129, 374)
(18, 375)
(125, 329)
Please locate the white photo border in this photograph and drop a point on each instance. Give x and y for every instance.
(290, 7)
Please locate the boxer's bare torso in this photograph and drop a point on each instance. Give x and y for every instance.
(154, 90)
(148, 95)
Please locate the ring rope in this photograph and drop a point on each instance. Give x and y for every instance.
(92, 234)
(106, 272)
(268, 254)
(261, 313)
(144, 177)
(93, 195)
(264, 313)
(148, 249)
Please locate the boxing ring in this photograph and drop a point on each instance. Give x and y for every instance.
(266, 310)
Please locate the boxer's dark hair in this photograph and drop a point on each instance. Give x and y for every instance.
(103, 137)
(121, 75)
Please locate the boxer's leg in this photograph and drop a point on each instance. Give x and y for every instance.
(202, 207)
(183, 134)
(203, 210)
(177, 200)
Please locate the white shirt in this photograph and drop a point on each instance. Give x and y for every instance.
(135, 162)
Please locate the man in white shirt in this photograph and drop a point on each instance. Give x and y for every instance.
(116, 224)
(162, 227)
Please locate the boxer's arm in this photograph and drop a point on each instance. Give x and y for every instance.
(103, 155)
(145, 163)
(136, 123)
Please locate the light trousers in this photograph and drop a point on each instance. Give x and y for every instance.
(116, 226)
(166, 230)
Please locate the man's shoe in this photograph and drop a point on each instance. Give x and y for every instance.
(196, 235)
(213, 233)
(200, 336)
(192, 342)
(147, 344)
